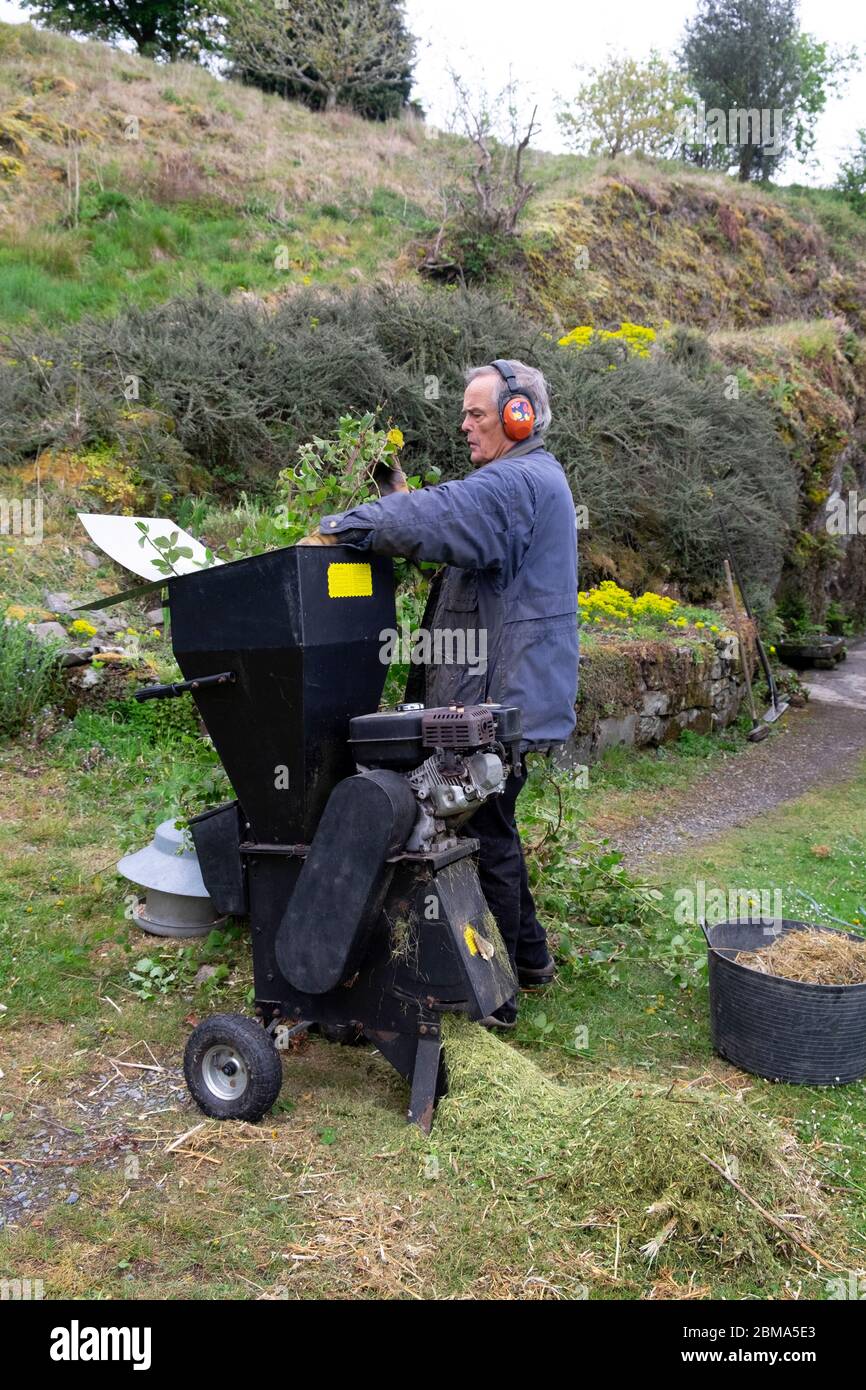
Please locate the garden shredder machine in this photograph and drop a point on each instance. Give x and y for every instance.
(346, 848)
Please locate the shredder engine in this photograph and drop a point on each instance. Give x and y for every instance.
(349, 846)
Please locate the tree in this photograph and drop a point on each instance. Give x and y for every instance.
(484, 189)
(326, 53)
(763, 81)
(171, 29)
(624, 107)
(500, 189)
(852, 175)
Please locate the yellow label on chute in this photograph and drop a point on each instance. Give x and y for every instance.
(478, 945)
(350, 581)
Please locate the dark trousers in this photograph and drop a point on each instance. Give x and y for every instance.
(502, 871)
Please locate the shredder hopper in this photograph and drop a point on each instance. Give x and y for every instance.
(302, 641)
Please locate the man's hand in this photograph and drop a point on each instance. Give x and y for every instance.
(389, 479)
(318, 539)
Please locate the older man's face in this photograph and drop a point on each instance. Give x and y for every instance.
(482, 426)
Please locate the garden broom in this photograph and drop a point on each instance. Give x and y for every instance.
(758, 730)
(778, 707)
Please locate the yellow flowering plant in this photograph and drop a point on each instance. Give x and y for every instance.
(637, 338)
(610, 604)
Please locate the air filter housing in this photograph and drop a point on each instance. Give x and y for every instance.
(391, 738)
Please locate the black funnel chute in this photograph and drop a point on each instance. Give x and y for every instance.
(300, 629)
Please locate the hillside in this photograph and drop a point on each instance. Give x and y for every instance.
(125, 184)
(119, 177)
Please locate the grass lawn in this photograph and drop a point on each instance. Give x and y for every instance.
(133, 251)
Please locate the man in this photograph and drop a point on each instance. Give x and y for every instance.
(507, 536)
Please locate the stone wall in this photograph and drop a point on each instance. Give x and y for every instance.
(647, 693)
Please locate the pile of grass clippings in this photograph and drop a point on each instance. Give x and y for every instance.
(648, 1166)
(813, 957)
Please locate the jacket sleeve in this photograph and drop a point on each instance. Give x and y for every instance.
(481, 522)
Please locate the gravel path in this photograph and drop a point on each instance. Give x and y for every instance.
(815, 745)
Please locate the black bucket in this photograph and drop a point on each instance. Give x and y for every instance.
(785, 1030)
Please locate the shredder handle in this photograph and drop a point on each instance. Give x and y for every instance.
(167, 692)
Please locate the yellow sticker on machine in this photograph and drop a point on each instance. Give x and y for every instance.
(478, 945)
(350, 581)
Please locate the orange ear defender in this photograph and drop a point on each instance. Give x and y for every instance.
(516, 410)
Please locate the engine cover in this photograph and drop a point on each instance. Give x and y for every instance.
(341, 888)
(402, 738)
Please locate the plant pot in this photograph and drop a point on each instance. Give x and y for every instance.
(822, 651)
(784, 1030)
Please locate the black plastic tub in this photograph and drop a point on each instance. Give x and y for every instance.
(825, 651)
(785, 1030)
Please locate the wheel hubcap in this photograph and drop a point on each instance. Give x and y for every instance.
(225, 1072)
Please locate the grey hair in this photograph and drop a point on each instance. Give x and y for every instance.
(528, 379)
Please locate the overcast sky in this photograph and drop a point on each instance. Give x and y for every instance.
(540, 43)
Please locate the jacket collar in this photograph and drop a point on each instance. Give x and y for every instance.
(526, 446)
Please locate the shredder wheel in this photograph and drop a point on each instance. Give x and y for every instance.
(232, 1068)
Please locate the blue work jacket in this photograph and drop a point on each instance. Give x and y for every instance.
(508, 536)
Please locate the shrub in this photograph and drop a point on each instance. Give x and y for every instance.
(611, 601)
(233, 391)
(29, 676)
(170, 724)
(657, 455)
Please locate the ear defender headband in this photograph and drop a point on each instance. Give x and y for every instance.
(516, 410)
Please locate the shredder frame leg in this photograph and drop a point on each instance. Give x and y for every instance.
(420, 1060)
(425, 1077)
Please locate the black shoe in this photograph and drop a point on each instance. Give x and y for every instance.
(529, 977)
(503, 1019)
